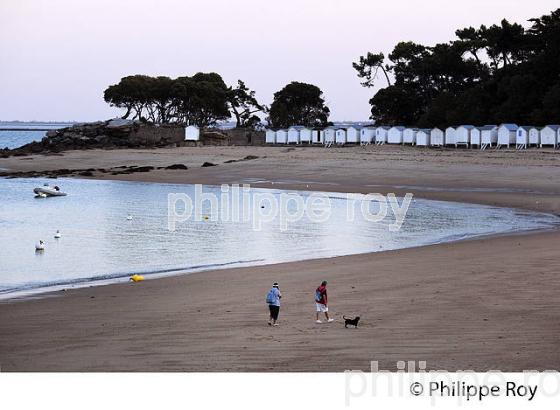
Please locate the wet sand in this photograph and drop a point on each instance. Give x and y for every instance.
(480, 304)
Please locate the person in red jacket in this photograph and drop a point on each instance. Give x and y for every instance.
(321, 302)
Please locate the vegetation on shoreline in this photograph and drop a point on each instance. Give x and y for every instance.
(487, 75)
(201, 100)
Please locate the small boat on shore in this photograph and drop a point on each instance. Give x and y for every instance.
(47, 191)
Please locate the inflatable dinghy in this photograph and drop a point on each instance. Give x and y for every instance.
(46, 191)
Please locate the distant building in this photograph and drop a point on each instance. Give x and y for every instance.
(488, 136)
(340, 135)
(409, 136)
(281, 137)
(270, 137)
(329, 134)
(463, 135)
(395, 135)
(293, 134)
(476, 137)
(550, 135)
(381, 134)
(522, 140)
(437, 137)
(353, 134)
(367, 135)
(507, 134)
(423, 137)
(305, 135)
(192, 133)
(451, 136)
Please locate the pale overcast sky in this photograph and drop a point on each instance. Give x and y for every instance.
(57, 56)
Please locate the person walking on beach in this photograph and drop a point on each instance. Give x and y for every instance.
(321, 302)
(273, 300)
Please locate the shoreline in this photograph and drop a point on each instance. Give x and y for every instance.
(52, 290)
(484, 303)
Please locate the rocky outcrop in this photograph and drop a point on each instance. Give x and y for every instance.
(112, 134)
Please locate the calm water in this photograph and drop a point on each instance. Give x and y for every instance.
(100, 245)
(14, 139)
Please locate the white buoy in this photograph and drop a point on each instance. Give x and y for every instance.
(40, 246)
(129, 217)
(57, 235)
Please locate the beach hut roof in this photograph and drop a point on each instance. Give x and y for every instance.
(297, 127)
(469, 127)
(383, 127)
(426, 130)
(554, 127)
(487, 127)
(510, 127)
(528, 127)
(399, 128)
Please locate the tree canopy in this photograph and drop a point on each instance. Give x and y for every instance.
(487, 75)
(298, 104)
(202, 100)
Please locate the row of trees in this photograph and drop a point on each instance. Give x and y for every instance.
(205, 99)
(202, 99)
(502, 73)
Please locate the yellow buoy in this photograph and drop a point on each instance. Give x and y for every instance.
(205, 218)
(137, 278)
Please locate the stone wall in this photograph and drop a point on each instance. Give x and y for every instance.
(243, 136)
(150, 136)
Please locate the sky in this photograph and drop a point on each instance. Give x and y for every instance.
(58, 56)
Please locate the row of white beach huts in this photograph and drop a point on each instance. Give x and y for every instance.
(505, 135)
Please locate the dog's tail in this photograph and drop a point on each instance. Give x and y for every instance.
(345, 318)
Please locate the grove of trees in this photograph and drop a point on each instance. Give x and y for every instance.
(487, 75)
(298, 104)
(202, 100)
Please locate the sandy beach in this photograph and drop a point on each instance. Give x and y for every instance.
(480, 304)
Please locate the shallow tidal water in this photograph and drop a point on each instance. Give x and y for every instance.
(100, 245)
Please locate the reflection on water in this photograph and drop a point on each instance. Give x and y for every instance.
(99, 244)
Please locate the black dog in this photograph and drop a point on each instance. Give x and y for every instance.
(351, 322)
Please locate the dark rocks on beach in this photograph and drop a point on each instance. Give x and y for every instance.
(177, 166)
(247, 158)
(208, 164)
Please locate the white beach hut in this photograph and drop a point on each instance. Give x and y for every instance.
(409, 136)
(317, 136)
(423, 137)
(281, 137)
(353, 134)
(522, 137)
(535, 136)
(451, 136)
(507, 135)
(329, 136)
(293, 134)
(340, 135)
(367, 135)
(270, 137)
(550, 135)
(437, 137)
(395, 135)
(476, 136)
(488, 136)
(463, 135)
(305, 135)
(381, 134)
(192, 133)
